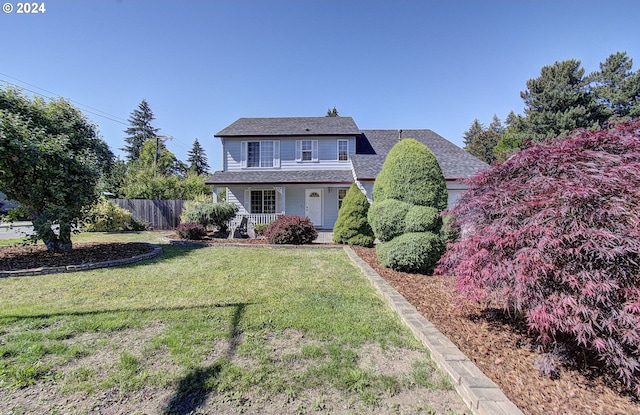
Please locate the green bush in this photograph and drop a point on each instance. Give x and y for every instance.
(411, 173)
(450, 231)
(209, 213)
(422, 219)
(260, 228)
(408, 195)
(411, 252)
(106, 216)
(352, 227)
(387, 218)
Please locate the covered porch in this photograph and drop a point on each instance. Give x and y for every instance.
(317, 197)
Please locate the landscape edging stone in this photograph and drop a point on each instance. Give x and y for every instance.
(479, 393)
(155, 252)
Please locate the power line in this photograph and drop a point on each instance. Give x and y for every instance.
(104, 114)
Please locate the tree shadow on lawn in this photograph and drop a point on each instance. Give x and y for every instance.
(16, 317)
(194, 388)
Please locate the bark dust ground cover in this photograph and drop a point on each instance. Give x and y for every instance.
(504, 351)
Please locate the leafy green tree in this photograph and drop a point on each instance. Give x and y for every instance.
(197, 159)
(51, 159)
(141, 183)
(407, 195)
(332, 112)
(483, 146)
(112, 181)
(167, 164)
(140, 130)
(617, 87)
(352, 227)
(475, 128)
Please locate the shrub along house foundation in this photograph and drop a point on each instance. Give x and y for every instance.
(304, 165)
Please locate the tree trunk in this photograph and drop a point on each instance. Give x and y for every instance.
(55, 243)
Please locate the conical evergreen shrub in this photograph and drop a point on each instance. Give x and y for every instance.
(352, 227)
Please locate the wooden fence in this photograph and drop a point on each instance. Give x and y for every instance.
(159, 214)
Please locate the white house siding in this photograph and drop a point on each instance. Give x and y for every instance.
(327, 153)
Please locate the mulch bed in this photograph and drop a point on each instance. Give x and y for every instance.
(503, 350)
(14, 258)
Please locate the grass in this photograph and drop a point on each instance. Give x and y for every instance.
(201, 321)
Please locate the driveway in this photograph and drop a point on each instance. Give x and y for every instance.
(18, 230)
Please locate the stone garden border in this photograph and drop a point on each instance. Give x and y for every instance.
(154, 253)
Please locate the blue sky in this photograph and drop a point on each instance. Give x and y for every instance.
(388, 64)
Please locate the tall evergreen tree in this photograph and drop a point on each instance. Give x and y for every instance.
(617, 87)
(197, 159)
(511, 117)
(332, 112)
(496, 125)
(483, 145)
(475, 128)
(140, 130)
(560, 101)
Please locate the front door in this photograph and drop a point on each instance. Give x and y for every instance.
(313, 206)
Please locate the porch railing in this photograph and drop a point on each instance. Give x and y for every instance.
(255, 218)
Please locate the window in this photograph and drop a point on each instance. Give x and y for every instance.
(253, 154)
(263, 201)
(260, 154)
(341, 194)
(306, 150)
(343, 150)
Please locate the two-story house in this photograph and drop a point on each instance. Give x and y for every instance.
(305, 165)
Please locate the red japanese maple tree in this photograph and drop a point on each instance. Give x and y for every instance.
(553, 234)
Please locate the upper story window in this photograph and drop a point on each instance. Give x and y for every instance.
(343, 150)
(306, 150)
(264, 153)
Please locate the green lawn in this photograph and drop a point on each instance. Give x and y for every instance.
(223, 321)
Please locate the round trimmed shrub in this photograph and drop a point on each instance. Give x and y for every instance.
(411, 252)
(291, 229)
(387, 218)
(191, 231)
(352, 227)
(411, 173)
(422, 219)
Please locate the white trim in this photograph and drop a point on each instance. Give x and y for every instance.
(276, 153)
(243, 154)
(244, 151)
(314, 151)
(338, 148)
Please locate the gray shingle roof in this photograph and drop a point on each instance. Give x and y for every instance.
(455, 162)
(226, 178)
(289, 126)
